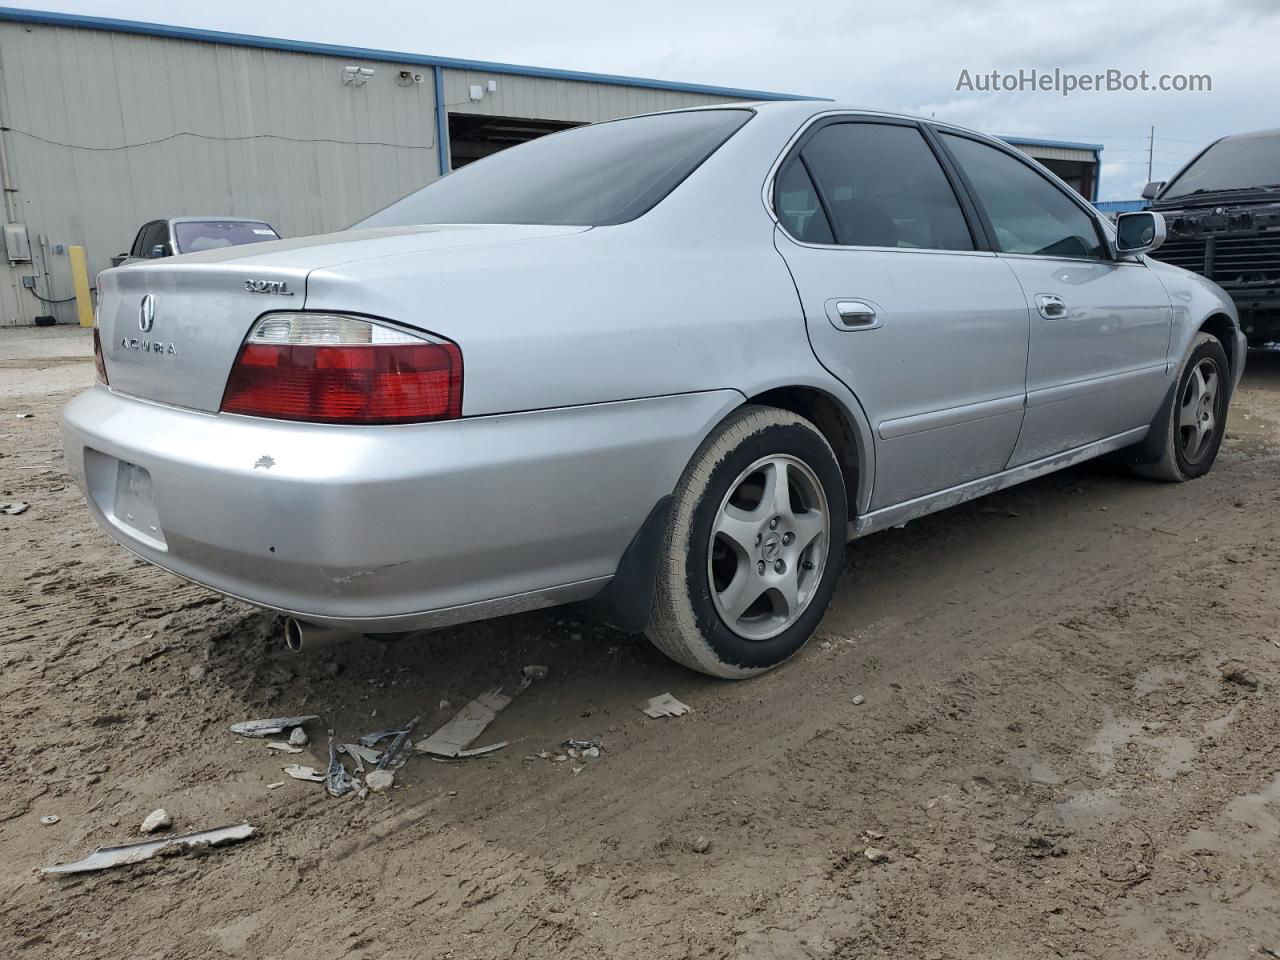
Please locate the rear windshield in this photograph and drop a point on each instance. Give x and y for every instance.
(1231, 165)
(589, 176)
(194, 236)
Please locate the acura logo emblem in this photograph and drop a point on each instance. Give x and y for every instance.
(147, 313)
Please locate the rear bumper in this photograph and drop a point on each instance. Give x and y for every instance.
(384, 529)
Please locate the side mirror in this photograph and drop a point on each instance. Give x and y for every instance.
(1152, 189)
(1139, 232)
(159, 250)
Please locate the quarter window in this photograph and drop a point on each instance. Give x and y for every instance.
(798, 207)
(1028, 213)
(882, 187)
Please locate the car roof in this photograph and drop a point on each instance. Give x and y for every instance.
(803, 109)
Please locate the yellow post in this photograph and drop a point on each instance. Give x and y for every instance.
(80, 280)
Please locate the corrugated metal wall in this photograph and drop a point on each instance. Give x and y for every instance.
(550, 99)
(109, 130)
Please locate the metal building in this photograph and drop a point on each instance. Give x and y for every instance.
(106, 124)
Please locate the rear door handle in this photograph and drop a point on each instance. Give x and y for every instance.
(1051, 307)
(855, 313)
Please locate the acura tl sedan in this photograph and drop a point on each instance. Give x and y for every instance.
(666, 365)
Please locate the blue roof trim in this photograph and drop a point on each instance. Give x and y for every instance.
(365, 53)
(1065, 144)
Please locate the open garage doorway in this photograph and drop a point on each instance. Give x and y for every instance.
(472, 136)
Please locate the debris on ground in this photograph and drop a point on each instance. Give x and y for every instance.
(268, 727)
(700, 845)
(859, 700)
(24, 416)
(281, 747)
(380, 781)
(337, 781)
(876, 855)
(299, 738)
(372, 739)
(360, 754)
(535, 671)
(583, 749)
(300, 772)
(105, 857)
(156, 820)
(452, 740)
(15, 508)
(665, 705)
(394, 757)
(275, 786)
(50, 819)
(1233, 671)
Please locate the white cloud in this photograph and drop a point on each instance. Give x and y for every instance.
(905, 55)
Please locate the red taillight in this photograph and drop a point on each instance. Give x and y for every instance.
(98, 362)
(407, 381)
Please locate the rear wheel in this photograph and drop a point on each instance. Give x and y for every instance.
(1193, 426)
(753, 547)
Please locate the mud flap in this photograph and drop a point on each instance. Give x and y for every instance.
(625, 603)
(1151, 448)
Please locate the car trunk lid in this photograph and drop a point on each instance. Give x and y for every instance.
(171, 329)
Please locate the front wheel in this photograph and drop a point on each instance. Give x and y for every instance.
(753, 547)
(1195, 419)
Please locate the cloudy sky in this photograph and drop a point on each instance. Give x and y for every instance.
(902, 55)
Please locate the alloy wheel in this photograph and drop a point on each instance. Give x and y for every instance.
(1198, 412)
(768, 547)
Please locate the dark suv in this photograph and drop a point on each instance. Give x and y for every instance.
(1222, 211)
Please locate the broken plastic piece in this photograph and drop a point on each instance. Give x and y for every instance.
(105, 857)
(15, 508)
(395, 755)
(282, 747)
(265, 728)
(299, 772)
(50, 819)
(665, 705)
(360, 754)
(337, 782)
(372, 739)
(452, 740)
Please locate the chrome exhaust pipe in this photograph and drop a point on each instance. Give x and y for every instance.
(300, 635)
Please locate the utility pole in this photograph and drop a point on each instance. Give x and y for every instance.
(1151, 151)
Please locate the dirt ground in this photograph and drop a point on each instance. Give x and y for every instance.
(1047, 749)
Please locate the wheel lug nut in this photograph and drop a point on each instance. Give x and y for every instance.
(808, 564)
(787, 538)
(759, 537)
(760, 566)
(773, 524)
(779, 566)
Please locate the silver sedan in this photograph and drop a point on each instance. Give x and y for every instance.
(666, 365)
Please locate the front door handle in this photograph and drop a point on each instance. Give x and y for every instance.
(1051, 307)
(855, 313)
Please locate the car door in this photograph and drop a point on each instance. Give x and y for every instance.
(1100, 326)
(902, 303)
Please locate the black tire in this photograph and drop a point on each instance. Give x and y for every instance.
(685, 622)
(1168, 459)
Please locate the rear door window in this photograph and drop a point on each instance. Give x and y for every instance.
(1028, 213)
(880, 185)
